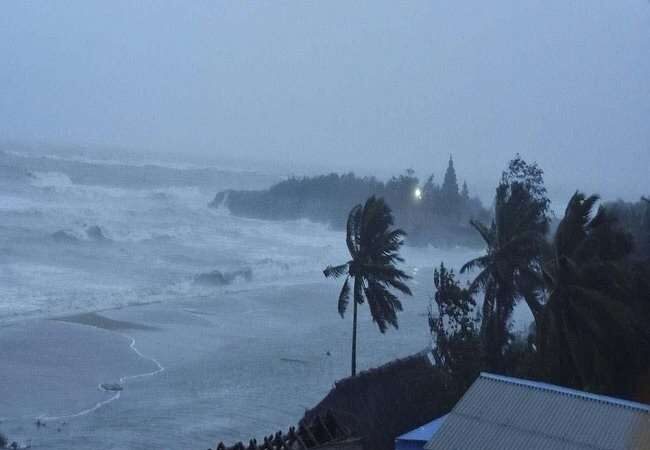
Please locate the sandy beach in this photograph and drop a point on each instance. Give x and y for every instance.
(229, 367)
(133, 285)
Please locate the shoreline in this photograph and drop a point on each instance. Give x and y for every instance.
(114, 326)
(230, 369)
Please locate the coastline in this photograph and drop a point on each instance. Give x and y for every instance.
(119, 327)
(239, 365)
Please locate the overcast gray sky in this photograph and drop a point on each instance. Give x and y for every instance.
(376, 85)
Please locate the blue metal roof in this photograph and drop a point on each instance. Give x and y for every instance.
(423, 433)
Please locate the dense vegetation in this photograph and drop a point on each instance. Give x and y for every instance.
(586, 283)
(428, 212)
(587, 286)
(382, 403)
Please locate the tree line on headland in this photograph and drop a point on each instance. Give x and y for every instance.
(585, 279)
(586, 284)
(429, 212)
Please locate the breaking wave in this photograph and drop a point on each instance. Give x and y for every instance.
(218, 278)
(75, 242)
(54, 180)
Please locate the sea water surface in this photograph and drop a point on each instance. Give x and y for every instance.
(217, 327)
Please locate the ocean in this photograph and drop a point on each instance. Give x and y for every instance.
(216, 327)
(79, 235)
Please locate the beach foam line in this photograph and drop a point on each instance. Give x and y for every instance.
(118, 394)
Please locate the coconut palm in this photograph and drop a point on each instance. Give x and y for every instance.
(590, 335)
(511, 266)
(374, 250)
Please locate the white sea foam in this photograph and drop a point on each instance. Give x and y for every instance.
(50, 180)
(69, 247)
(123, 380)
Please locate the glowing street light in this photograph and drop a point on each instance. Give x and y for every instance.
(418, 193)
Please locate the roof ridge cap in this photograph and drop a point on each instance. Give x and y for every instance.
(627, 404)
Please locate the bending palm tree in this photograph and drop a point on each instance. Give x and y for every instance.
(590, 333)
(374, 248)
(511, 266)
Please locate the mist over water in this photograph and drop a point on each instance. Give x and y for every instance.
(136, 313)
(70, 245)
(80, 235)
(232, 298)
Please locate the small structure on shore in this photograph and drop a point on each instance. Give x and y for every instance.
(503, 413)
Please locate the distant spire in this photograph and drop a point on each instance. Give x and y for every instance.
(465, 191)
(450, 183)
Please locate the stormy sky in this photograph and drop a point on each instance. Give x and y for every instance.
(365, 85)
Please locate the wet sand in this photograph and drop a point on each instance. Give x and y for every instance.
(228, 367)
(236, 366)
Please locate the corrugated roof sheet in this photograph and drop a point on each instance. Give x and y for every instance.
(501, 413)
(424, 432)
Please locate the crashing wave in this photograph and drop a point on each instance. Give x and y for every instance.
(92, 233)
(65, 237)
(218, 278)
(220, 200)
(95, 233)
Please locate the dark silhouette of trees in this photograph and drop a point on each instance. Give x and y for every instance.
(644, 235)
(464, 193)
(588, 289)
(511, 267)
(634, 217)
(440, 215)
(591, 335)
(454, 328)
(450, 198)
(372, 270)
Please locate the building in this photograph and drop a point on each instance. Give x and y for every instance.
(417, 439)
(502, 413)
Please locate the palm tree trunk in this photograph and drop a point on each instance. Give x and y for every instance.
(354, 338)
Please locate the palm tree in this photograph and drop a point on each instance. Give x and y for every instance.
(590, 336)
(374, 249)
(511, 267)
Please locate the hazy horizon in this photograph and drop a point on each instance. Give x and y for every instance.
(166, 274)
(374, 87)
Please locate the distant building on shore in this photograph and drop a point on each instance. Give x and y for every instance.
(502, 413)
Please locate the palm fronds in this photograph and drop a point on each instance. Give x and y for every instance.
(374, 248)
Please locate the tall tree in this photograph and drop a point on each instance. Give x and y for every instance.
(591, 336)
(511, 266)
(645, 229)
(449, 189)
(464, 193)
(374, 250)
